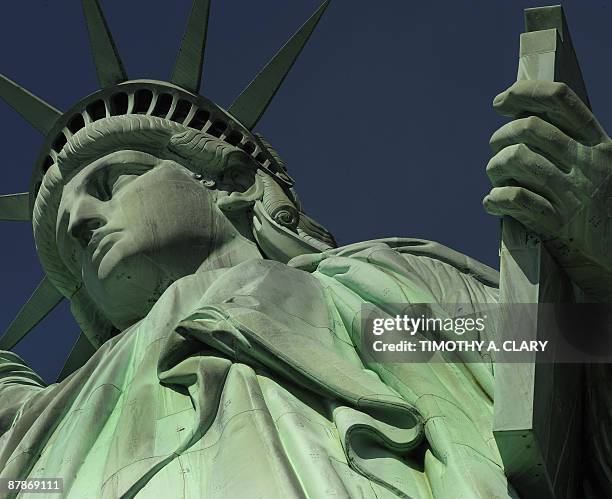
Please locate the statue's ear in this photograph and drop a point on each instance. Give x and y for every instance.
(244, 187)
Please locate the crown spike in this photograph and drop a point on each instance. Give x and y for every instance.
(34, 110)
(44, 299)
(81, 352)
(106, 57)
(15, 207)
(251, 104)
(187, 72)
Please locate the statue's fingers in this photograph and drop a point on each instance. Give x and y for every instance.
(556, 103)
(518, 165)
(540, 136)
(532, 210)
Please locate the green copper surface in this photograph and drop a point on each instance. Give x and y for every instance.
(80, 353)
(44, 299)
(187, 71)
(221, 351)
(538, 414)
(106, 57)
(252, 103)
(15, 207)
(35, 111)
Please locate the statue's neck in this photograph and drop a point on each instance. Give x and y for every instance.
(232, 252)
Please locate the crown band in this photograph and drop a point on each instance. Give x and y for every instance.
(161, 99)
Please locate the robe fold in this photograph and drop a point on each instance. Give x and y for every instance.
(251, 382)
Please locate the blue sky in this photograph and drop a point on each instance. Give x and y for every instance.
(384, 121)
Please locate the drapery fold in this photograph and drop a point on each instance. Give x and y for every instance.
(251, 382)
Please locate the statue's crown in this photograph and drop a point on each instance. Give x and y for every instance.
(164, 100)
(177, 100)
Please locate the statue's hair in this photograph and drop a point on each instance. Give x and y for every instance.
(198, 151)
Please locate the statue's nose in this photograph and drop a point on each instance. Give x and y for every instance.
(85, 217)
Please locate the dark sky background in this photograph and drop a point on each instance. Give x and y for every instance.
(384, 121)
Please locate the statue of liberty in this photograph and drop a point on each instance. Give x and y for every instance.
(221, 350)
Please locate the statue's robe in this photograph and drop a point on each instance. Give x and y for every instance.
(250, 382)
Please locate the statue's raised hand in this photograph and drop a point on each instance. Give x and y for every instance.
(551, 171)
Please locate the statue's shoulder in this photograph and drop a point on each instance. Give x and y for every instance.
(267, 279)
(419, 252)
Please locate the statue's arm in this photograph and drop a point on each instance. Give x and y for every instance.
(17, 384)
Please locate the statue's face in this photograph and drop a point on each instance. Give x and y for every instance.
(130, 224)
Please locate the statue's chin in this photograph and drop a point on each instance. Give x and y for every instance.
(125, 287)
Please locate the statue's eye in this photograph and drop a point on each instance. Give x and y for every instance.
(100, 187)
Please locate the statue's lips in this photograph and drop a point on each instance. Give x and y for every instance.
(100, 244)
